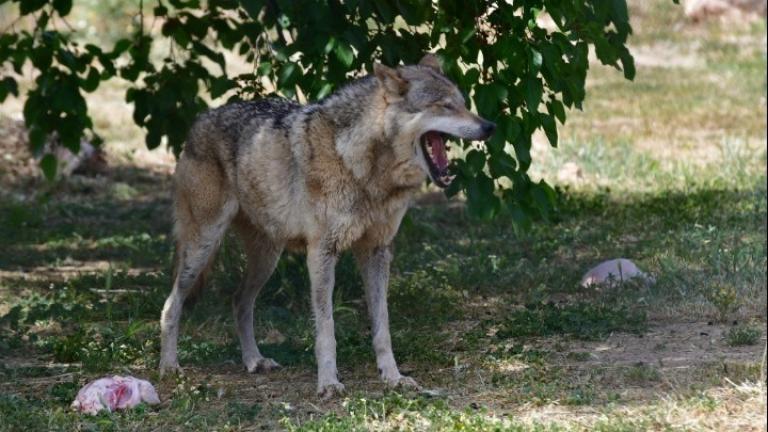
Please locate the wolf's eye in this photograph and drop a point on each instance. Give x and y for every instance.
(449, 106)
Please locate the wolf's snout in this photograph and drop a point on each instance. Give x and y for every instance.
(488, 128)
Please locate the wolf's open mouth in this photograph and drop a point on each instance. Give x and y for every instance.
(436, 156)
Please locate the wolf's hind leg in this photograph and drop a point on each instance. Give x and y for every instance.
(198, 241)
(374, 269)
(262, 255)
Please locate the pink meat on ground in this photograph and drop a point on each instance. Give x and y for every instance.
(114, 393)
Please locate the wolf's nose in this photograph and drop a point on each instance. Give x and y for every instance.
(488, 128)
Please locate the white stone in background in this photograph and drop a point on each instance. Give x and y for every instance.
(613, 271)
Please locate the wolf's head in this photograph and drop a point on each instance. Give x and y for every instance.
(423, 110)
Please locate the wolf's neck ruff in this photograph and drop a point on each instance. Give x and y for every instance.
(357, 112)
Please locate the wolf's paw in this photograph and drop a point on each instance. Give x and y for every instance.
(169, 367)
(329, 390)
(260, 364)
(400, 381)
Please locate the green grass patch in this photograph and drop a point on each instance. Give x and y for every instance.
(588, 321)
(743, 335)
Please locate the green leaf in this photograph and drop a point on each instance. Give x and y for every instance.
(49, 165)
(195, 26)
(120, 47)
(63, 7)
(181, 36)
(498, 140)
(522, 147)
(502, 165)
(37, 138)
(91, 82)
(70, 133)
(550, 129)
(605, 52)
(533, 91)
(27, 7)
(264, 68)
(488, 98)
(475, 161)
(153, 138)
(513, 130)
(287, 75)
(344, 53)
(330, 45)
(325, 90)
(535, 59)
(221, 85)
(467, 34)
(619, 8)
(413, 12)
(556, 108)
(384, 11)
(543, 201)
(160, 10)
(42, 57)
(482, 202)
(628, 64)
(521, 222)
(8, 86)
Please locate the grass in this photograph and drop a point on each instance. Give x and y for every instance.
(491, 322)
(579, 320)
(743, 336)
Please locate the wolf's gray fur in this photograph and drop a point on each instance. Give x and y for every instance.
(334, 175)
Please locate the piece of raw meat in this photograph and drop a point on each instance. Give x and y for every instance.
(114, 393)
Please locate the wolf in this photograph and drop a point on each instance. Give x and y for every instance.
(334, 175)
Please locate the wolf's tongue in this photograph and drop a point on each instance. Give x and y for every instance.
(439, 155)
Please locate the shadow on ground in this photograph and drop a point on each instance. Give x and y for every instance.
(485, 316)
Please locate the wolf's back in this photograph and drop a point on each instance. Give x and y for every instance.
(221, 130)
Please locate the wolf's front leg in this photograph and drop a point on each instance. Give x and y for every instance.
(321, 263)
(374, 268)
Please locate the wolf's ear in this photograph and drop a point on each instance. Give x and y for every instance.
(431, 61)
(390, 79)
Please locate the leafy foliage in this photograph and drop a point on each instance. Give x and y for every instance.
(519, 73)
